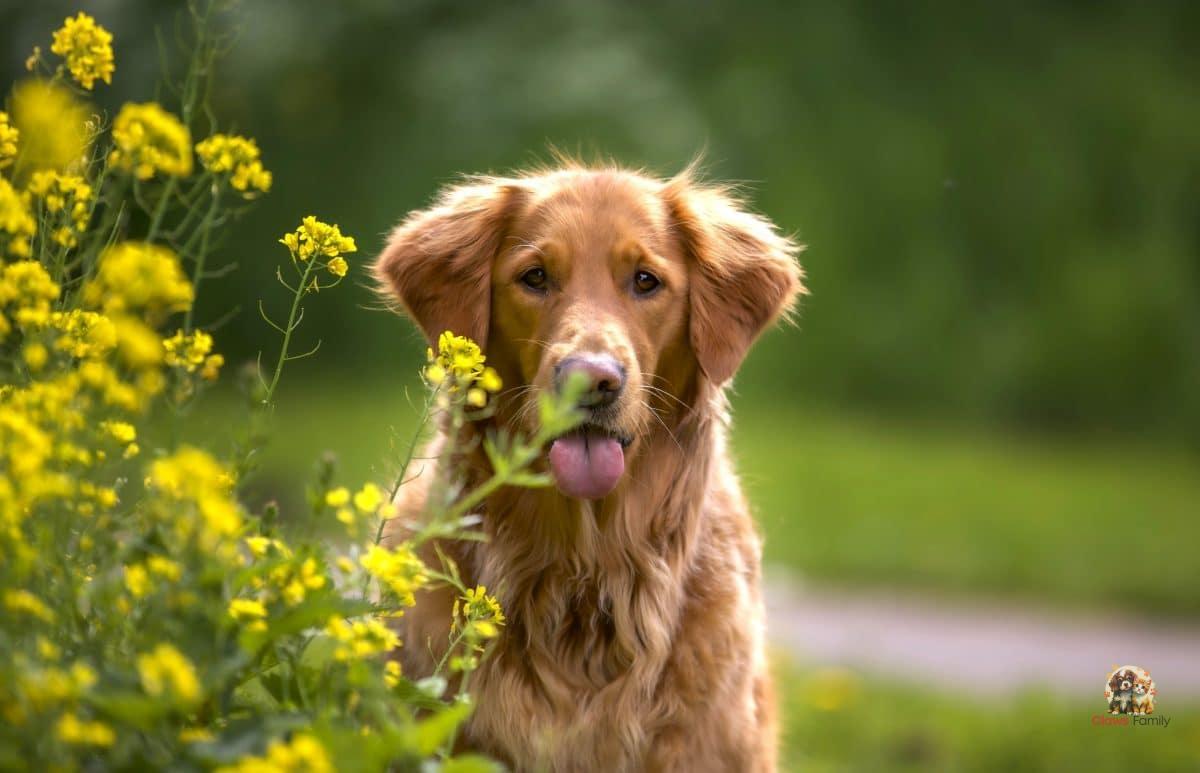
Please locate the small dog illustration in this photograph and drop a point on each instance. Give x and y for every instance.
(1119, 690)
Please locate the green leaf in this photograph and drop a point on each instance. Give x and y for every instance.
(470, 763)
(432, 733)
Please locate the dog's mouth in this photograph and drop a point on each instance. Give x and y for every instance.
(588, 462)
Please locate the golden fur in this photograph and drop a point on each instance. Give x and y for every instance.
(635, 634)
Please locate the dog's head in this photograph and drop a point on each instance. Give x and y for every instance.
(643, 286)
(1122, 680)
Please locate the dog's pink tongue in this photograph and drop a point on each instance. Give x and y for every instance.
(586, 466)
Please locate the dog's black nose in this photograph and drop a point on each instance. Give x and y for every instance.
(605, 377)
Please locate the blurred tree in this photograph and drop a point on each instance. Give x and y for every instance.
(1000, 201)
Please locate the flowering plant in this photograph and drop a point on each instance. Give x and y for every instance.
(148, 616)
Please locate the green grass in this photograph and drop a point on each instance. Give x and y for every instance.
(865, 502)
(835, 721)
(854, 501)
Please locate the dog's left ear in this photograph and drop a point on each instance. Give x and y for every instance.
(744, 277)
(438, 262)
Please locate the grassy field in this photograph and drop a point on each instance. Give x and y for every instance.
(836, 721)
(855, 501)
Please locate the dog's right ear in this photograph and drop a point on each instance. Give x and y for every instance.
(438, 262)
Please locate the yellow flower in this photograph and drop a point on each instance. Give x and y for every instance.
(392, 673)
(246, 609)
(121, 431)
(47, 649)
(35, 355)
(17, 225)
(137, 277)
(137, 580)
(435, 374)
(481, 612)
(258, 546)
(8, 140)
(304, 754)
(71, 729)
(164, 567)
(337, 497)
(212, 367)
(87, 47)
(237, 157)
(338, 266)
(316, 238)
(24, 601)
(188, 351)
(66, 198)
(490, 381)
(361, 638)
(83, 334)
(193, 476)
(53, 125)
(399, 570)
(476, 397)
(166, 670)
(150, 140)
(195, 735)
(459, 356)
(369, 498)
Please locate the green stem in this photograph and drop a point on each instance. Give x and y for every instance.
(287, 332)
(161, 208)
(198, 273)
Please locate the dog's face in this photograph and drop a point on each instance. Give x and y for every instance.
(1121, 681)
(642, 287)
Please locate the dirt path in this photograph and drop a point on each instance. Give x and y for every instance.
(984, 649)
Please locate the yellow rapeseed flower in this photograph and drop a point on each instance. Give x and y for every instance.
(87, 49)
(77, 732)
(361, 638)
(238, 159)
(17, 225)
(83, 334)
(53, 125)
(243, 610)
(137, 580)
(337, 497)
(66, 199)
(192, 475)
(399, 570)
(481, 612)
(338, 266)
(368, 498)
(167, 671)
(315, 238)
(392, 673)
(150, 140)
(8, 140)
(303, 754)
(188, 350)
(19, 600)
(141, 278)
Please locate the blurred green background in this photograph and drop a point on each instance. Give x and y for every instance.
(992, 390)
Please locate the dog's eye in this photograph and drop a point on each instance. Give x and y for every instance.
(534, 279)
(645, 282)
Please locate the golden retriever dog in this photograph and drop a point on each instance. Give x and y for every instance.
(635, 625)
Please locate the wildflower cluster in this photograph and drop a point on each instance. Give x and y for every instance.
(238, 159)
(320, 241)
(151, 616)
(8, 140)
(66, 199)
(87, 49)
(148, 141)
(459, 365)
